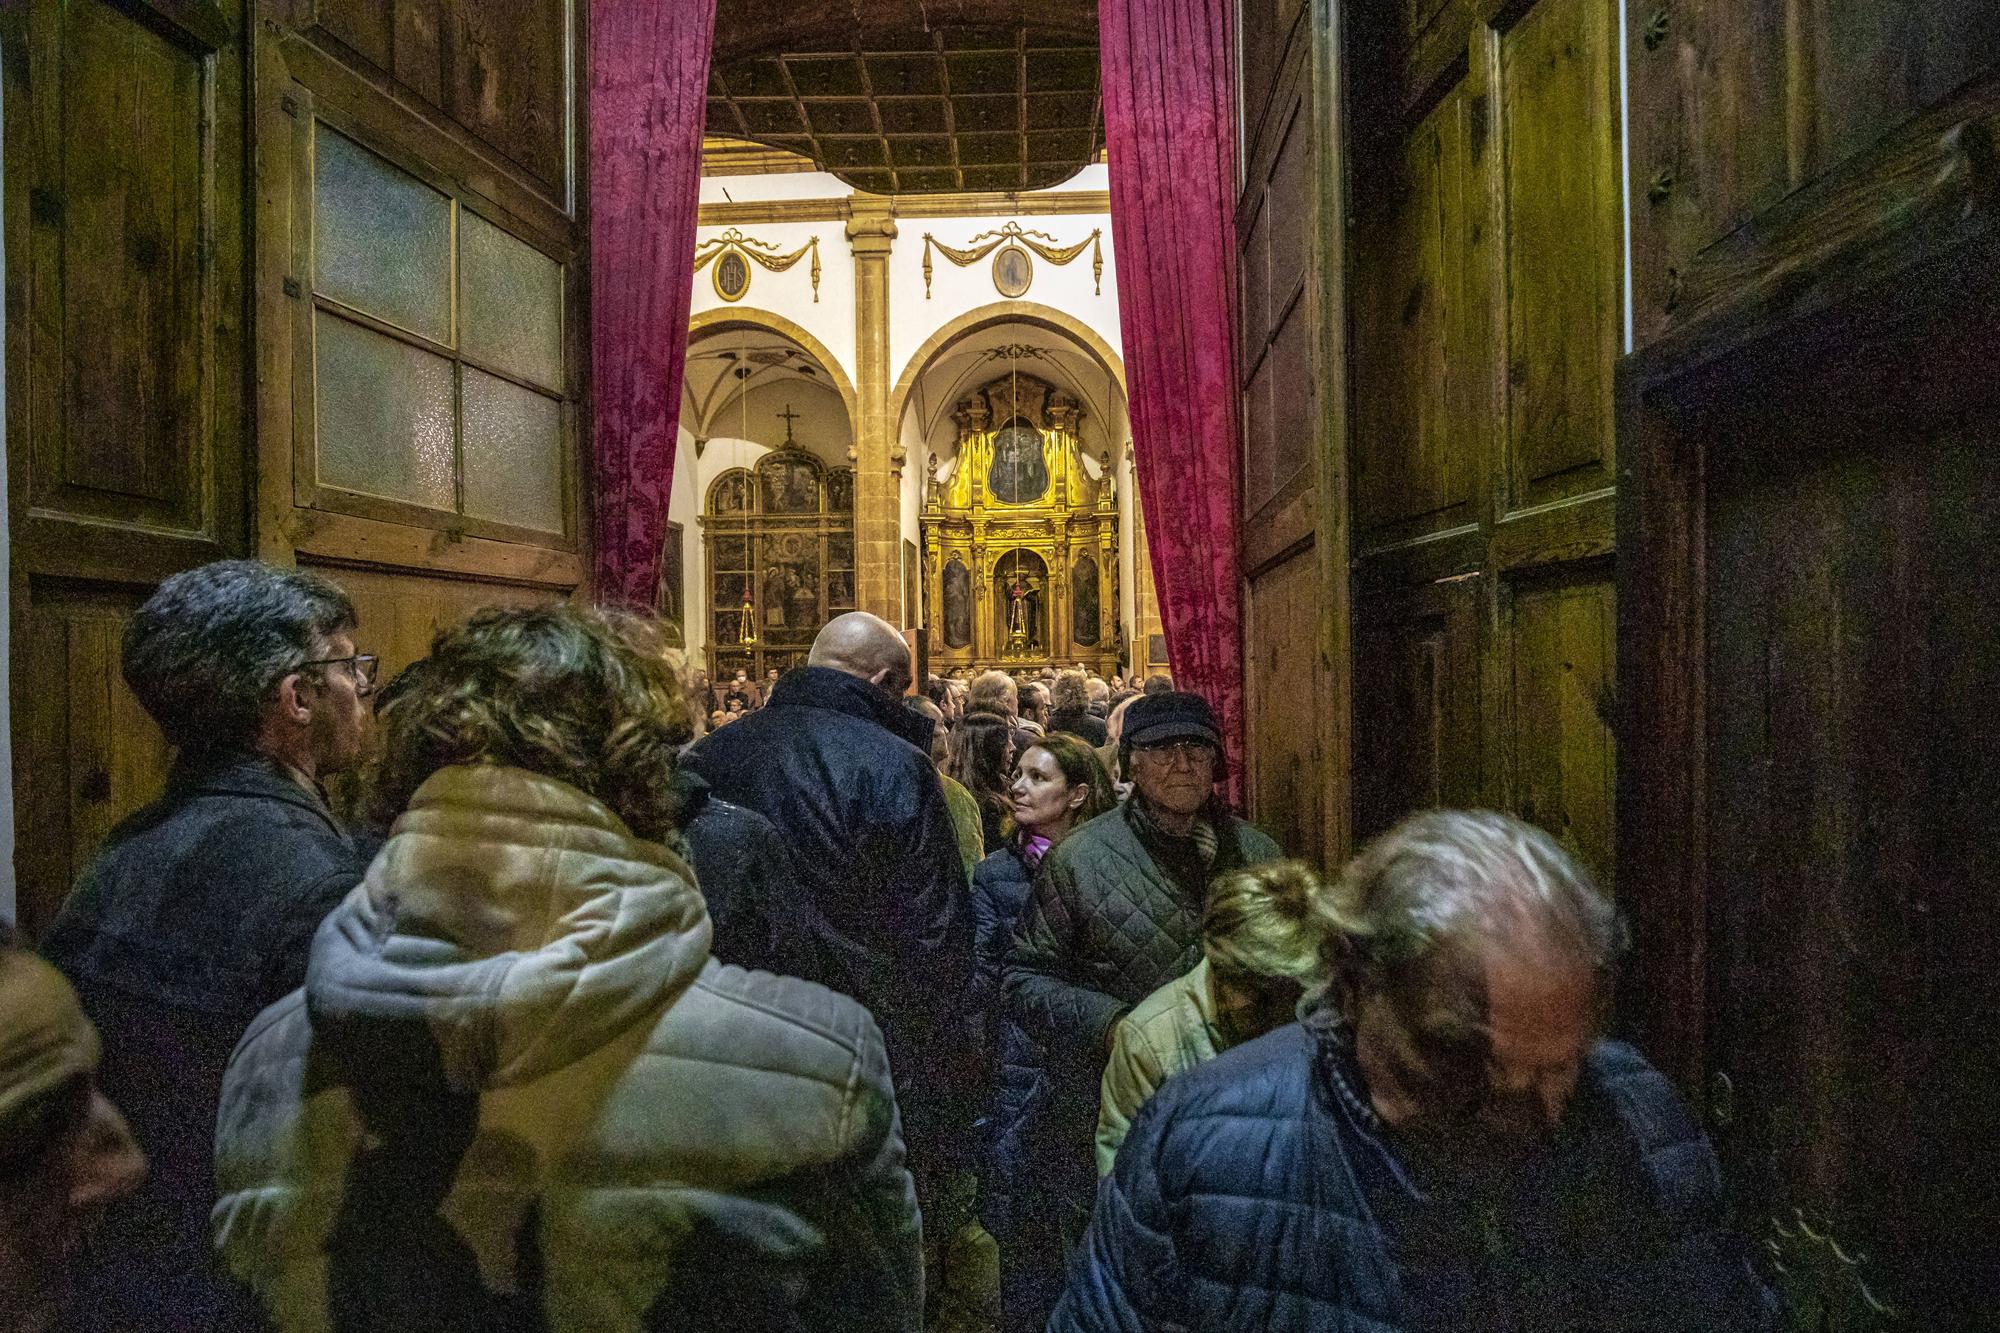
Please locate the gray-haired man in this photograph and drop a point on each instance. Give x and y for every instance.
(198, 909)
(1445, 1143)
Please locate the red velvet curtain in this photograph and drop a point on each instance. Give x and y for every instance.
(648, 95)
(1170, 133)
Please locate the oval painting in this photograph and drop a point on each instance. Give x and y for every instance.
(1018, 474)
(1013, 272)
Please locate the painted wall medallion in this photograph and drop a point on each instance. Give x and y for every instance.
(1013, 272)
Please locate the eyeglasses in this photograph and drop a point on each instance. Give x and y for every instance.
(1173, 752)
(362, 665)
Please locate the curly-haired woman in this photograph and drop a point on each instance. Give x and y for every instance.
(516, 1091)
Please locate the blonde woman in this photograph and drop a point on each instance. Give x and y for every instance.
(1259, 947)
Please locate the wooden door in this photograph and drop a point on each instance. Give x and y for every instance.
(1808, 564)
(125, 404)
(1486, 317)
(1290, 229)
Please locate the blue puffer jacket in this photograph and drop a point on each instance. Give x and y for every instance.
(1258, 1192)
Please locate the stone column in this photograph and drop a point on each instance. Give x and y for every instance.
(878, 457)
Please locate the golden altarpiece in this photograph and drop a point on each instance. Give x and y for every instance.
(780, 554)
(1020, 540)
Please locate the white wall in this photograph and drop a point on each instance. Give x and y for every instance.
(790, 293)
(956, 291)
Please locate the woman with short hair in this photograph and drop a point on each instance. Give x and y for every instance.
(516, 1090)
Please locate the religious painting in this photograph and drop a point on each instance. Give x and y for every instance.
(730, 494)
(788, 587)
(840, 490)
(673, 590)
(790, 484)
(1083, 601)
(1013, 272)
(1020, 581)
(1019, 474)
(732, 276)
(957, 594)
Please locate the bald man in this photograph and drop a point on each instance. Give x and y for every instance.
(843, 770)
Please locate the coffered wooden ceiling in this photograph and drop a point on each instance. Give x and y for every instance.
(914, 96)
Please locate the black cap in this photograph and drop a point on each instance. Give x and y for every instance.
(1155, 719)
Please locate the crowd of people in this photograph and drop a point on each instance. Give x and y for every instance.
(879, 1007)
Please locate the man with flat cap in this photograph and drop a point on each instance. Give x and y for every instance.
(1115, 914)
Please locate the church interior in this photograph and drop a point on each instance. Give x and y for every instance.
(1567, 407)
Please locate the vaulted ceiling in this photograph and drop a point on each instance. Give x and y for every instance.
(914, 96)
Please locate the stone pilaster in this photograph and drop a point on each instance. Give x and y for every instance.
(878, 462)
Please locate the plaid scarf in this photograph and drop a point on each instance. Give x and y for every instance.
(1203, 837)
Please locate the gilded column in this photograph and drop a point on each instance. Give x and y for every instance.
(878, 464)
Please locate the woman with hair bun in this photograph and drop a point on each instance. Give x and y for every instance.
(1259, 952)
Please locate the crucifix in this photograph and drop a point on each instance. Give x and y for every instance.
(788, 417)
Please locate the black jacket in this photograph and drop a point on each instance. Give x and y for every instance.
(844, 773)
(196, 914)
(1259, 1191)
(746, 878)
(1081, 723)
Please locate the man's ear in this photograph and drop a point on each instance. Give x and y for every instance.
(880, 676)
(295, 698)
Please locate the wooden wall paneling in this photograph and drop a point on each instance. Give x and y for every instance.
(1294, 551)
(1735, 107)
(509, 82)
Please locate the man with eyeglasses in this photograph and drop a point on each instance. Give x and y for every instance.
(1115, 914)
(198, 910)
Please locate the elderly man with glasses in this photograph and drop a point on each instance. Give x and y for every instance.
(198, 910)
(1115, 914)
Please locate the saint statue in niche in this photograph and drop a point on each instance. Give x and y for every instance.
(1019, 474)
(1020, 586)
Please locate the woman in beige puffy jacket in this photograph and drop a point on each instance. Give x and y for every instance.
(516, 1092)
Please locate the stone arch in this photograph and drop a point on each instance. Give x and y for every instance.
(703, 325)
(1002, 312)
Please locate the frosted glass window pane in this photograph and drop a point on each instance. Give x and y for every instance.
(385, 418)
(510, 303)
(513, 454)
(381, 238)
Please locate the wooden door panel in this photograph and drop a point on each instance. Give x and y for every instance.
(1416, 703)
(1562, 752)
(509, 82)
(125, 309)
(1563, 276)
(1412, 458)
(1850, 810)
(85, 753)
(1287, 687)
